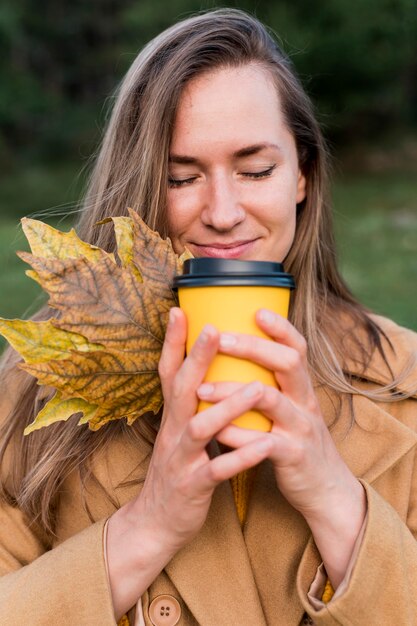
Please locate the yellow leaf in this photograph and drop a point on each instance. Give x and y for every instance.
(118, 383)
(49, 243)
(38, 342)
(33, 275)
(60, 409)
(184, 256)
(101, 354)
(123, 230)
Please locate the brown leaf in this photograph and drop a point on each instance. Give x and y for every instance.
(103, 300)
(117, 383)
(157, 265)
(101, 354)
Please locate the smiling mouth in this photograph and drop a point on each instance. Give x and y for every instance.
(223, 251)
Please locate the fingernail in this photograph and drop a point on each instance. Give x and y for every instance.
(204, 335)
(267, 316)
(227, 341)
(205, 389)
(262, 445)
(251, 390)
(172, 316)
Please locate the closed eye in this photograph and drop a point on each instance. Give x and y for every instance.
(179, 182)
(262, 174)
(182, 182)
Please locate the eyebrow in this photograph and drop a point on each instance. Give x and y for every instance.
(239, 154)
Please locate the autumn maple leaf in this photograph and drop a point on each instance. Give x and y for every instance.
(101, 352)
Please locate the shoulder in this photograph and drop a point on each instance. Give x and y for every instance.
(400, 348)
(404, 338)
(395, 363)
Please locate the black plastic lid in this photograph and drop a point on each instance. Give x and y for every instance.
(207, 271)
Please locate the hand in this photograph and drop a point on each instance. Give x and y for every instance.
(173, 503)
(181, 478)
(309, 470)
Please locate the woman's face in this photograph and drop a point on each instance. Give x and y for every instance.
(234, 179)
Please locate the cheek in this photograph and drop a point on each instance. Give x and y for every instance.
(278, 206)
(180, 213)
(289, 237)
(278, 213)
(282, 237)
(283, 230)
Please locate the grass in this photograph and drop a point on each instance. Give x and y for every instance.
(17, 291)
(40, 189)
(376, 230)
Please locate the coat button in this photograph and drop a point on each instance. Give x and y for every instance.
(164, 610)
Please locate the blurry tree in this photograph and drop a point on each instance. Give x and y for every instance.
(61, 59)
(358, 58)
(58, 63)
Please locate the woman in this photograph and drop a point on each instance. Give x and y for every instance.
(214, 142)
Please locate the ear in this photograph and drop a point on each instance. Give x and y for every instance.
(301, 187)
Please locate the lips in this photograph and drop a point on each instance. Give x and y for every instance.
(232, 250)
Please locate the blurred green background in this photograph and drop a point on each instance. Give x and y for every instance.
(60, 62)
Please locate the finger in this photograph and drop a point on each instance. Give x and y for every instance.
(287, 363)
(229, 464)
(182, 398)
(236, 437)
(219, 390)
(281, 330)
(284, 415)
(283, 449)
(269, 401)
(173, 349)
(204, 426)
(268, 397)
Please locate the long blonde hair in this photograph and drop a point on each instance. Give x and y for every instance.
(131, 170)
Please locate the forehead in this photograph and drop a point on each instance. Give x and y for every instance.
(240, 102)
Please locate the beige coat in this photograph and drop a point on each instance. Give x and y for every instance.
(225, 577)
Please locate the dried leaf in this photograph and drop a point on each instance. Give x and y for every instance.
(103, 302)
(49, 243)
(101, 353)
(111, 380)
(39, 342)
(123, 230)
(184, 256)
(157, 265)
(61, 409)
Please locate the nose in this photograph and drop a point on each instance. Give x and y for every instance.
(222, 208)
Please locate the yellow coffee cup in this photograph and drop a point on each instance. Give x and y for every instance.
(227, 293)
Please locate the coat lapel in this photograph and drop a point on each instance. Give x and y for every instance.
(213, 573)
(275, 536)
(375, 442)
